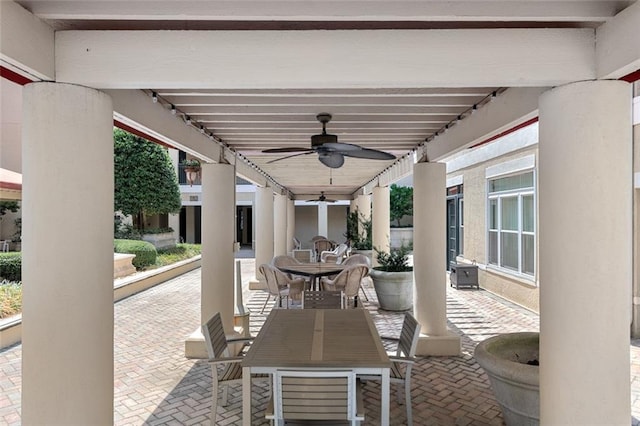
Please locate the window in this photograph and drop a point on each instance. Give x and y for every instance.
(511, 223)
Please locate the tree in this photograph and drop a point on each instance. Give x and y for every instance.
(401, 200)
(145, 178)
(11, 206)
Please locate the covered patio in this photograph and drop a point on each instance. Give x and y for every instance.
(223, 81)
(155, 385)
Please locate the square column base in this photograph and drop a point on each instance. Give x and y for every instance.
(256, 284)
(446, 345)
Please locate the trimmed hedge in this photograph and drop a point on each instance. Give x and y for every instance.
(11, 266)
(145, 252)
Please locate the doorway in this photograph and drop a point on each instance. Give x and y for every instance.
(455, 224)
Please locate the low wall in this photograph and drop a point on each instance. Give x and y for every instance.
(400, 236)
(11, 328)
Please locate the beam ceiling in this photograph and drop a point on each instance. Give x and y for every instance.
(256, 73)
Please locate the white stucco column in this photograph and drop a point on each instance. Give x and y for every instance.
(291, 224)
(323, 219)
(67, 257)
(363, 203)
(585, 245)
(429, 260)
(381, 221)
(280, 225)
(263, 233)
(218, 236)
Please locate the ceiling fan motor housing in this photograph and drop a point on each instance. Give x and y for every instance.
(321, 139)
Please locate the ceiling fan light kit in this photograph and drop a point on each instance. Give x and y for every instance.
(330, 152)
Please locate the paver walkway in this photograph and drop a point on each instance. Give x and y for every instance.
(156, 385)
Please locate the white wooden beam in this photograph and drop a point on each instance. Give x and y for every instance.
(432, 10)
(618, 44)
(512, 107)
(26, 42)
(324, 59)
(136, 109)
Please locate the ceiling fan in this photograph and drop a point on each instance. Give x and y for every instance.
(331, 153)
(322, 198)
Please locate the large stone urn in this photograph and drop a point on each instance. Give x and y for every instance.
(394, 289)
(511, 362)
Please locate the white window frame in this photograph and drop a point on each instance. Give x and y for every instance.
(499, 196)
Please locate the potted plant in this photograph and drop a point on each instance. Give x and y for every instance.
(511, 361)
(393, 279)
(359, 242)
(191, 169)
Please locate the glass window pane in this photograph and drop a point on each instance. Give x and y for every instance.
(461, 212)
(493, 214)
(493, 247)
(509, 250)
(528, 254)
(527, 213)
(524, 180)
(509, 213)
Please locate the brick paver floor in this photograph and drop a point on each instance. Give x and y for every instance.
(156, 385)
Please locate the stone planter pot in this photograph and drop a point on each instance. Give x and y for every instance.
(394, 289)
(161, 241)
(515, 383)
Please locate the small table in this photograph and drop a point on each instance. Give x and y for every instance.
(313, 271)
(464, 275)
(317, 339)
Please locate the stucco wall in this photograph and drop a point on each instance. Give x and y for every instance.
(521, 291)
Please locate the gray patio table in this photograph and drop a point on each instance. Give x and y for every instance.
(313, 270)
(317, 339)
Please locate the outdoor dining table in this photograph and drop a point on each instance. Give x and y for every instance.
(317, 339)
(313, 270)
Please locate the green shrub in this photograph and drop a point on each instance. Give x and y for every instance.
(145, 252)
(397, 260)
(11, 266)
(10, 298)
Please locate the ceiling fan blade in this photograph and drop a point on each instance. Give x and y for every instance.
(342, 147)
(282, 150)
(334, 160)
(371, 154)
(309, 151)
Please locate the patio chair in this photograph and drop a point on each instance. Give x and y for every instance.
(348, 281)
(322, 245)
(283, 261)
(225, 369)
(403, 361)
(303, 255)
(334, 256)
(315, 395)
(280, 285)
(297, 245)
(358, 259)
(322, 300)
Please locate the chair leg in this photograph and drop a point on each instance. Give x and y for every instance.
(225, 395)
(265, 303)
(364, 292)
(407, 397)
(214, 399)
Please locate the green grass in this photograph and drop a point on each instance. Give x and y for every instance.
(180, 252)
(10, 298)
(11, 292)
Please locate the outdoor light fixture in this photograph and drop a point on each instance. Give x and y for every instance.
(173, 109)
(154, 97)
